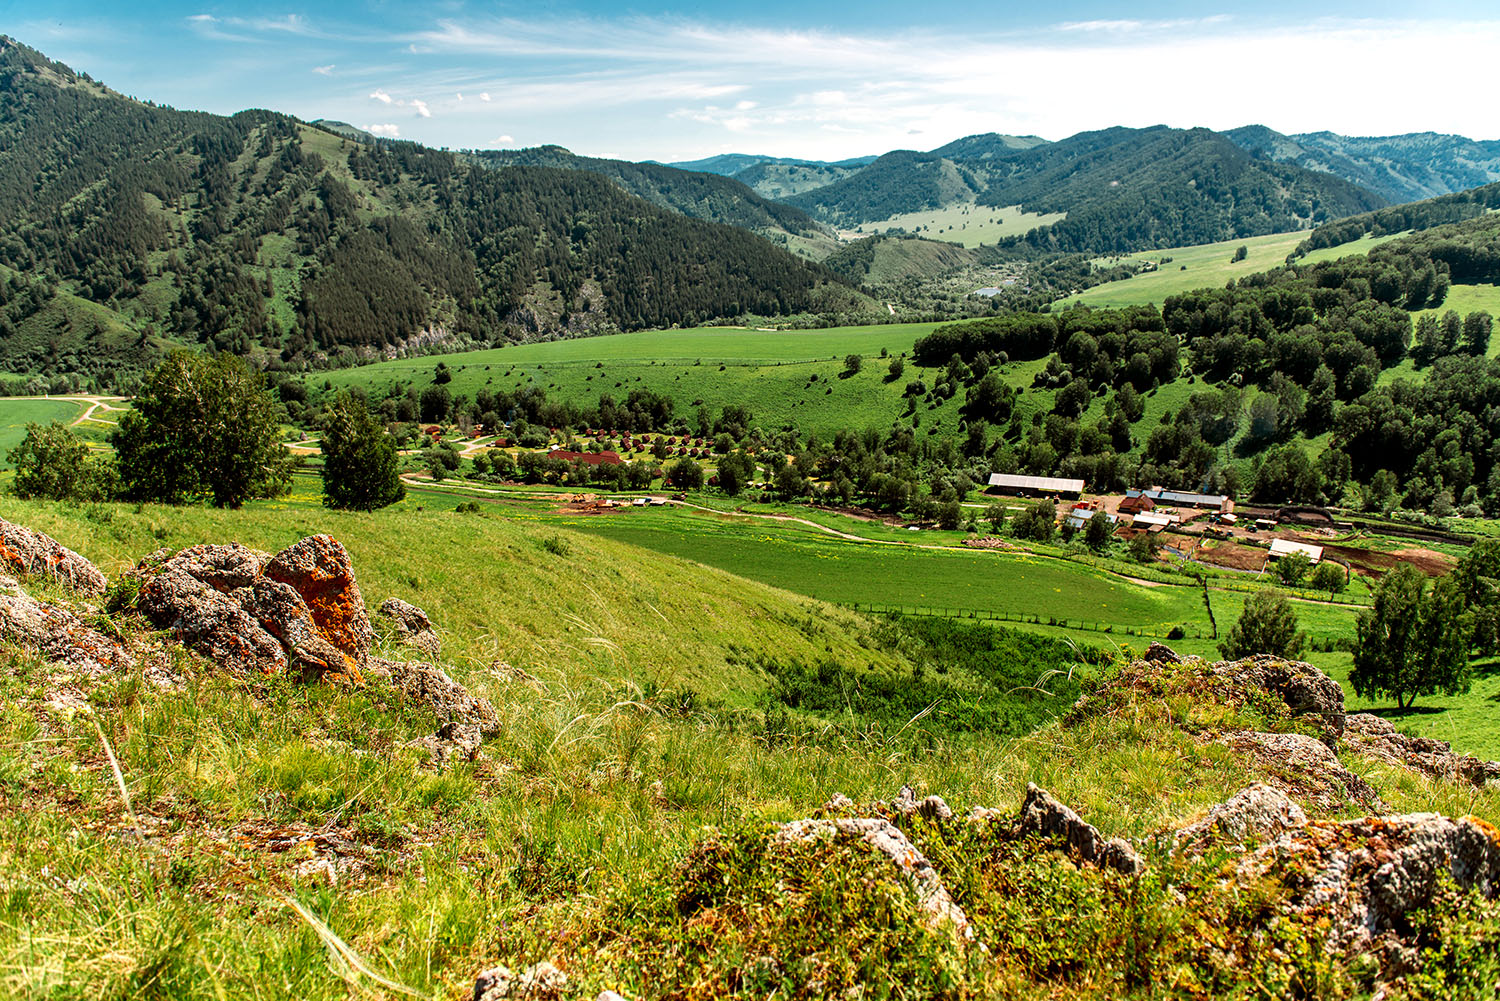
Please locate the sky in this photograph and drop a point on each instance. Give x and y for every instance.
(804, 79)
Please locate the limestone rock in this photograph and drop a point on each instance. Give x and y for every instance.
(887, 839)
(1368, 876)
(836, 803)
(1305, 689)
(1160, 653)
(222, 567)
(1042, 813)
(207, 620)
(541, 982)
(1305, 767)
(281, 612)
(35, 554)
(1258, 813)
(58, 636)
(412, 626)
(1377, 738)
(318, 569)
(450, 701)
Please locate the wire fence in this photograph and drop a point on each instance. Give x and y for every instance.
(1001, 615)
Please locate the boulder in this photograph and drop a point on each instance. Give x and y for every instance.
(319, 570)
(1368, 876)
(34, 554)
(281, 611)
(1374, 737)
(449, 701)
(222, 567)
(1258, 813)
(1305, 689)
(541, 982)
(412, 626)
(58, 636)
(887, 839)
(1160, 653)
(1042, 813)
(931, 807)
(207, 620)
(1305, 767)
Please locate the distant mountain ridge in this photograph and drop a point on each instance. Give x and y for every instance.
(1401, 168)
(730, 164)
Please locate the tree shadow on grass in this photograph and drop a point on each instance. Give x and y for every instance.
(1486, 668)
(1396, 713)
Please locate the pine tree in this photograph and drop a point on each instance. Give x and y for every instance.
(361, 471)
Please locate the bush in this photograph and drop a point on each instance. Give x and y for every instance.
(53, 464)
(1267, 625)
(361, 470)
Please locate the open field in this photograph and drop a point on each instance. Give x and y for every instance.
(785, 377)
(963, 223)
(1207, 265)
(16, 413)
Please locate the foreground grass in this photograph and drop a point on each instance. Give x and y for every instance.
(574, 838)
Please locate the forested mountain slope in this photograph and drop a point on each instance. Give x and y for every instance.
(1398, 168)
(1123, 189)
(264, 236)
(701, 195)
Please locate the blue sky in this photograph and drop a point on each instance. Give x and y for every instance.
(789, 78)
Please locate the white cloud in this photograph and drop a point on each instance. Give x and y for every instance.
(420, 106)
(388, 131)
(324, 70)
(202, 18)
(485, 96)
(381, 96)
(503, 141)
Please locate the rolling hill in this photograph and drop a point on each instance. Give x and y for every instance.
(296, 247)
(1398, 168)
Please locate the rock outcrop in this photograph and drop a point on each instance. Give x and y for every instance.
(56, 634)
(1374, 737)
(887, 839)
(1257, 814)
(411, 626)
(465, 720)
(1042, 813)
(541, 982)
(931, 807)
(1305, 689)
(1305, 767)
(251, 612)
(33, 554)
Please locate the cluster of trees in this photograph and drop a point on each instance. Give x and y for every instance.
(205, 428)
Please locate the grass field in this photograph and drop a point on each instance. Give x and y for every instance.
(785, 377)
(15, 414)
(1206, 266)
(963, 223)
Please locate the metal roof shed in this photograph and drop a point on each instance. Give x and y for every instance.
(1036, 484)
(1286, 547)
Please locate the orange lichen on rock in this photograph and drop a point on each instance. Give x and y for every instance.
(318, 569)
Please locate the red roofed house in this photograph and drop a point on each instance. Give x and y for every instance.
(587, 458)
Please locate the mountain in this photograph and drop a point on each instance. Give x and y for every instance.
(730, 164)
(1398, 168)
(782, 180)
(1122, 189)
(344, 129)
(709, 196)
(126, 226)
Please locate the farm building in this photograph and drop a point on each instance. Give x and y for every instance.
(1185, 499)
(1135, 502)
(587, 458)
(1036, 485)
(1079, 516)
(1151, 521)
(1286, 547)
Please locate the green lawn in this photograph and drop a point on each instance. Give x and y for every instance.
(15, 414)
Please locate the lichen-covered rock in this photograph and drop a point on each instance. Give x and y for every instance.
(887, 839)
(450, 701)
(281, 611)
(319, 570)
(541, 982)
(1305, 767)
(1042, 813)
(931, 807)
(58, 636)
(1305, 689)
(1376, 738)
(412, 626)
(1160, 653)
(1258, 813)
(222, 567)
(1368, 876)
(35, 554)
(207, 620)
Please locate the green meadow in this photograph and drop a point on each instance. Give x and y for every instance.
(1205, 266)
(785, 377)
(16, 413)
(964, 223)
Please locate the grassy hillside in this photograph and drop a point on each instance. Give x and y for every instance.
(294, 847)
(964, 223)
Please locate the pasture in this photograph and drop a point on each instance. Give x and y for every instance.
(17, 412)
(1205, 266)
(784, 377)
(963, 223)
